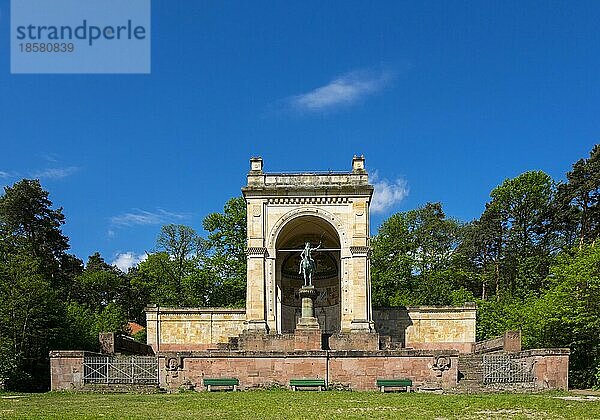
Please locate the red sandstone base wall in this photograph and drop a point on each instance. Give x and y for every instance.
(354, 370)
(361, 373)
(253, 372)
(66, 369)
(550, 368)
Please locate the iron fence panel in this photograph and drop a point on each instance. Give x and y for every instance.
(507, 368)
(120, 370)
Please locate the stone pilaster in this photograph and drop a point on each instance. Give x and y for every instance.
(255, 290)
(362, 319)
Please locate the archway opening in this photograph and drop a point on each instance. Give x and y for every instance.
(326, 278)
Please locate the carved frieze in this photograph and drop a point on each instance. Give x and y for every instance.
(308, 200)
(257, 251)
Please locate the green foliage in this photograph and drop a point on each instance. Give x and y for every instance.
(99, 284)
(412, 257)
(153, 281)
(141, 336)
(29, 225)
(191, 271)
(577, 212)
(9, 362)
(30, 316)
(79, 332)
(571, 312)
(523, 206)
(224, 254)
(391, 264)
(111, 319)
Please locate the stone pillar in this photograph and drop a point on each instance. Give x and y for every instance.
(66, 369)
(255, 291)
(362, 319)
(256, 283)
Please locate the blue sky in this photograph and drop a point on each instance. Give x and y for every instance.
(444, 99)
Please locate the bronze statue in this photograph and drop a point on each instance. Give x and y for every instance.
(307, 263)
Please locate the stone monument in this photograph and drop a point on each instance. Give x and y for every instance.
(308, 307)
(287, 211)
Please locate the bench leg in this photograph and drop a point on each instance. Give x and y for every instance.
(293, 387)
(408, 388)
(208, 388)
(382, 388)
(235, 387)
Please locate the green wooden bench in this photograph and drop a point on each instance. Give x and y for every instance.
(221, 382)
(394, 383)
(301, 383)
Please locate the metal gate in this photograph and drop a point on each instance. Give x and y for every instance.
(120, 370)
(506, 368)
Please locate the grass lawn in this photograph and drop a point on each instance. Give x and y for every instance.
(256, 405)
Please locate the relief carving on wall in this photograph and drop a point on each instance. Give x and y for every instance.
(173, 365)
(440, 364)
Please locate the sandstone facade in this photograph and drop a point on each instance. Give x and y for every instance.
(284, 212)
(192, 328)
(428, 327)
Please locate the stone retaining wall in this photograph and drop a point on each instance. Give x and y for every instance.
(428, 327)
(357, 370)
(192, 328)
(418, 327)
(550, 367)
(66, 369)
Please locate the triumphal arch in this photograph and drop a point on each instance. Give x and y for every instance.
(329, 211)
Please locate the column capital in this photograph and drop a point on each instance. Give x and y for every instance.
(360, 251)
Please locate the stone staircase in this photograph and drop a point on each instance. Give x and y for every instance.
(470, 372)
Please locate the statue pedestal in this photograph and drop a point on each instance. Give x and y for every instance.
(308, 321)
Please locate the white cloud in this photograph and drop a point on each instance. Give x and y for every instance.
(55, 173)
(346, 89)
(143, 217)
(4, 175)
(125, 260)
(387, 194)
(50, 157)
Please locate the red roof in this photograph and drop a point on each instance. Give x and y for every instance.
(134, 327)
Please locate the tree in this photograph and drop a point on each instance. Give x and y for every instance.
(391, 263)
(481, 249)
(412, 256)
(223, 255)
(180, 243)
(162, 278)
(99, 284)
(568, 314)
(35, 272)
(523, 207)
(435, 238)
(30, 318)
(28, 223)
(579, 197)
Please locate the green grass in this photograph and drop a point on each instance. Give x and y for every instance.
(257, 405)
